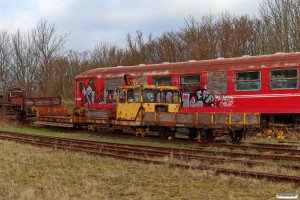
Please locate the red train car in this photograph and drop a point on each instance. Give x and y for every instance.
(266, 84)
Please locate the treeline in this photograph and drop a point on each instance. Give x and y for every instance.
(38, 62)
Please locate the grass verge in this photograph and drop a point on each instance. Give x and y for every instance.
(41, 173)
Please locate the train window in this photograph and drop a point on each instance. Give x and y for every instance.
(284, 79)
(133, 96)
(189, 82)
(176, 97)
(130, 96)
(247, 81)
(111, 96)
(169, 96)
(122, 96)
(162, 80)
(137, 95)
(151, 96)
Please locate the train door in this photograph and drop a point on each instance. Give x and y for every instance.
(79, 96)
(129, 104)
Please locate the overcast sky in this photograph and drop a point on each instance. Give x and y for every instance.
(93, 21)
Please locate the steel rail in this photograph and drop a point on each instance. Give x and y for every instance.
(277, 148)
(156, 153)
(248, 147)
(255, 146)
(199, 157)
(287, 146)
(168, 149)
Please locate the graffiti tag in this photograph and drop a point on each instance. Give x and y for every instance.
(92, 95)
(200, 98)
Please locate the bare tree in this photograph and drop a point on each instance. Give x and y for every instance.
(281, 26)
(50, 47)
(77, 62)
(5, 57)
(106, 55)
(100, 55)
(25, 61)
(133, 51)
(199, 38)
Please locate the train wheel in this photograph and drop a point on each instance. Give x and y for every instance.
(140, 131)
(91, 128)
(235, 135)
(206, 136)
(193, 134)
(168, 134)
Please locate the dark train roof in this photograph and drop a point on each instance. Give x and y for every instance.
(192, 67)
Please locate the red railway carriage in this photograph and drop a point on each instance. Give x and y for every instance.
(251, 84)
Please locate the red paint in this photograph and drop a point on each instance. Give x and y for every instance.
(149, 80)
(262, 101)
(203, 80)
(176, 80)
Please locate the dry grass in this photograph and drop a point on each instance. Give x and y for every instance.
(40, 173)
(273, 169)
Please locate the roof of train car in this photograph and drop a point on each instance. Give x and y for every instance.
(192, 67)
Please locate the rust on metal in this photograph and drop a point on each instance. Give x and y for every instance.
(50, 111)
(164, 117)
(227, 64)
(186, 118)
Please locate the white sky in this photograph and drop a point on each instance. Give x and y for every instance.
(93, 21)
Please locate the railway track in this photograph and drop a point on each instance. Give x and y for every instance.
(274, 157)
(143, 153)
(257, 148)
(277, 148)
(277, 145)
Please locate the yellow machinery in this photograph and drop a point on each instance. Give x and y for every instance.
(134, 101)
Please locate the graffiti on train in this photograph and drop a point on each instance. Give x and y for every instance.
(93, 95)
(89, 92)
(224, 101)
(200, 98)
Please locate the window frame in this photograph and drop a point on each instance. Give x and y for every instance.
(255, 80)
(155, 92)
(124, 98)
(129, 96)
(133, 96)
(164, 96)
(183, 84)
(272, 79)
(153, 83)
